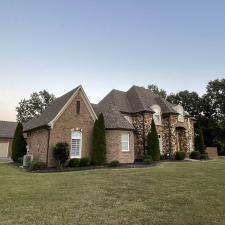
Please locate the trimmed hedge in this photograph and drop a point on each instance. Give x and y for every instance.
(37, 165)
(74, 163)
(147, 159)
(195, 155)
(114, 163)
(180, 155)
(204, 156)
(85, 162)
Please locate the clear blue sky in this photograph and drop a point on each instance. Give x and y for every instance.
(103, 44)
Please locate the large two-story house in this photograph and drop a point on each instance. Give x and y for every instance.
(128, 116)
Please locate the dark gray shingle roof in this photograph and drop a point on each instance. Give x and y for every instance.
(50, 112)
(136, 99)
(7, 129)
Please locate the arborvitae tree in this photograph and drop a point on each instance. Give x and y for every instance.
(153, 143)
(199, 140)
(99, 141)
(19, 144)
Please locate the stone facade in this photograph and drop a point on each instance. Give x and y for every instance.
(113, 144)
(174, 135)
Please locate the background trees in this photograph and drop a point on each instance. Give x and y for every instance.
(29, 108)
(208, 109)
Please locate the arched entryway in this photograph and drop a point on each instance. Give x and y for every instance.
(181, 139)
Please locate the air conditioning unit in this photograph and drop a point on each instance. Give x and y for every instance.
(27, 159)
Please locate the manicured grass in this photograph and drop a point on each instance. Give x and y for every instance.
(173, 193)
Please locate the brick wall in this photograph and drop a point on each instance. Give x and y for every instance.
(69, 120)
(113, 144)
(212, 152)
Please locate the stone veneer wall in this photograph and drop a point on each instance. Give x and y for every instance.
(167, 130)
(113, 145)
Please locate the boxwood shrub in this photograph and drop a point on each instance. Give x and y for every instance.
(74, 163)
(147, 159)
(180, 155)
(84, 162)
(204, 156)
(37, 165)
(114, 163)
(195, 155)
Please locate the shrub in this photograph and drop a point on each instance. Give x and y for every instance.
(20, 160)
(19, 144)
(74, 163)
(37, 165)
(147, 161)
(61, 153)
(180, 155)
(84, 162)
(204, 156)
(162, 157)
(199, 139)
(114, 163)
(195, 155)
(153, 143)
(99, 142)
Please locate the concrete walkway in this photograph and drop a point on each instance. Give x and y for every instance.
(5, 160)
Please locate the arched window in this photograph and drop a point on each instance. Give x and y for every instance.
(76, 144)
(180, 110)
(157, 114)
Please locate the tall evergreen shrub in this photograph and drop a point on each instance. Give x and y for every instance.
(153, 143)
(19, 143)
(99, 141)
(199, 139)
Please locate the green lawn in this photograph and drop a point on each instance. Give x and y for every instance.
(171, 193)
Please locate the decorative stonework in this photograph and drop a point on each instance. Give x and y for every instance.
(175, 135)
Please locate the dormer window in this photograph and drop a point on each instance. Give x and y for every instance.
(128, 118)
(180, 110)
(157, 114)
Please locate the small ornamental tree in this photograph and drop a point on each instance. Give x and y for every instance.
(19, 144)
(199, 140)
(99, 141)
(153, 143)
(61, 153)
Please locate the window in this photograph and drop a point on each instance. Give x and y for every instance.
(125, 142)
(76, 144)
(78, 107)
(157, 114)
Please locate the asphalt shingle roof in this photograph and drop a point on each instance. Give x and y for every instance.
(50, 112)
(7, 129)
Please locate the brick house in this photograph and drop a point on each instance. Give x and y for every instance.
(128, 115)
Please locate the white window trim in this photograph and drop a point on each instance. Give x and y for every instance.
(79, 156)
(125, 150)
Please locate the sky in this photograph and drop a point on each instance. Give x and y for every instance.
(103, 45)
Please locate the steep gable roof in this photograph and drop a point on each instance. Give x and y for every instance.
(50, 112)
(7, 129)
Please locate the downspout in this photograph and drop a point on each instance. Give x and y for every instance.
(48, 147)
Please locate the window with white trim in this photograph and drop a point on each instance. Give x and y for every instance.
(125, 142)
(157, 114)
(76, 144)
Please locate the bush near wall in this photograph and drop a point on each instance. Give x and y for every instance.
(180, 155)
(195, 155)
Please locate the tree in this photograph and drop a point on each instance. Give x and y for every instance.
(29, 108)
(99, 141)
(189, 100)
(19, 144)
(199, 140)
(153, 143)
(61, 153)
(154, 88)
